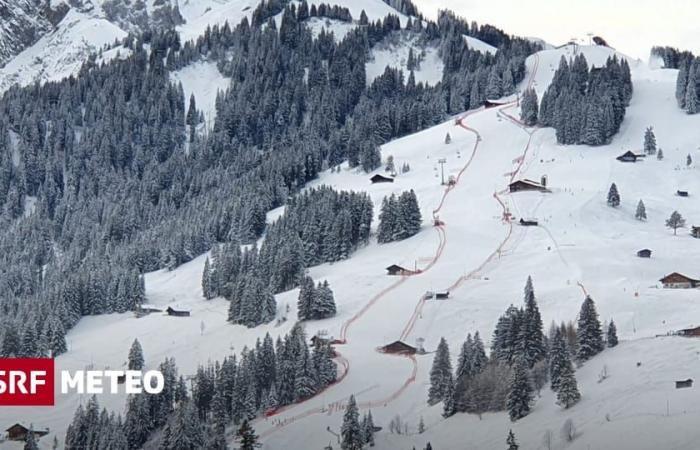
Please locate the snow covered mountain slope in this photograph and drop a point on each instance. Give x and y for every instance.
(23, 23)
(61, 53)
(45, 44)
(483, 261)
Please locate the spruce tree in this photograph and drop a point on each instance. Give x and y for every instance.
(529, 108)
(659, 155)
(692, 103)
(512, 443)
(449, 402)
(350, 431)
(688, 160)
(531, 337)
(368, 429)
(567, 393)
(520, 393)
(448, 139)
(611, 336)
(135, 356)
(649, 141)
(641, 213)
(589, 333)
(440, 374)
(613, 196)
(558, 357)
(307, 292)
(247, 436)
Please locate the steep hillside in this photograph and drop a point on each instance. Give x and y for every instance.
(582, 245)
(51, 43)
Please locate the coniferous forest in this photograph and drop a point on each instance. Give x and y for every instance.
(96, 170)
(586, 105)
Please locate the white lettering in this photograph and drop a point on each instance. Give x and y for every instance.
(76, 382)
(148, 382)
(133, 382)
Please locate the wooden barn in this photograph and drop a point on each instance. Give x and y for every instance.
(644, 253)
(145, 309)
(399, 348)
(682, 193)
(379, 178)
(676, 280)
(629, 156)
(528, 222)
(695, 232)
(398, 270)
(488, 103)
(527, 185)
(177, 312)
(689, 332)
(684, 383)
(439, 295)
(18, 432)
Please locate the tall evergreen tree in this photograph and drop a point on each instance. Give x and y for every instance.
(440, 374)
(611, 336)
(135, 356)
(589, 333)
(248, 438)
(529, 110)
(520, 398)
(350, 431)
(567, 394)
(531, 337)
(649, 141)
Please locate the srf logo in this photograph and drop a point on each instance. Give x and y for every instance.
(26, 382)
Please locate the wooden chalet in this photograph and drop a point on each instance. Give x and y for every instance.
(629, 156)
(379, 178)
(695, 232)
(177, 312)
(430, 295)
(689, 332)
(399, 348)
(644, 253)
(528, 222)
(682, 193)
(676, 280)
(489, 103)
(527, 185)
(398, 270)
(19, 432)
(684, 383)
(145, 309)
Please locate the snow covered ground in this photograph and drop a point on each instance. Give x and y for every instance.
(479, 45)
(393, 51)
(204, 80)
(60, 53)
(484, 261)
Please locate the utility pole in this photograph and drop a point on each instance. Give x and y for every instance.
(442, 162)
